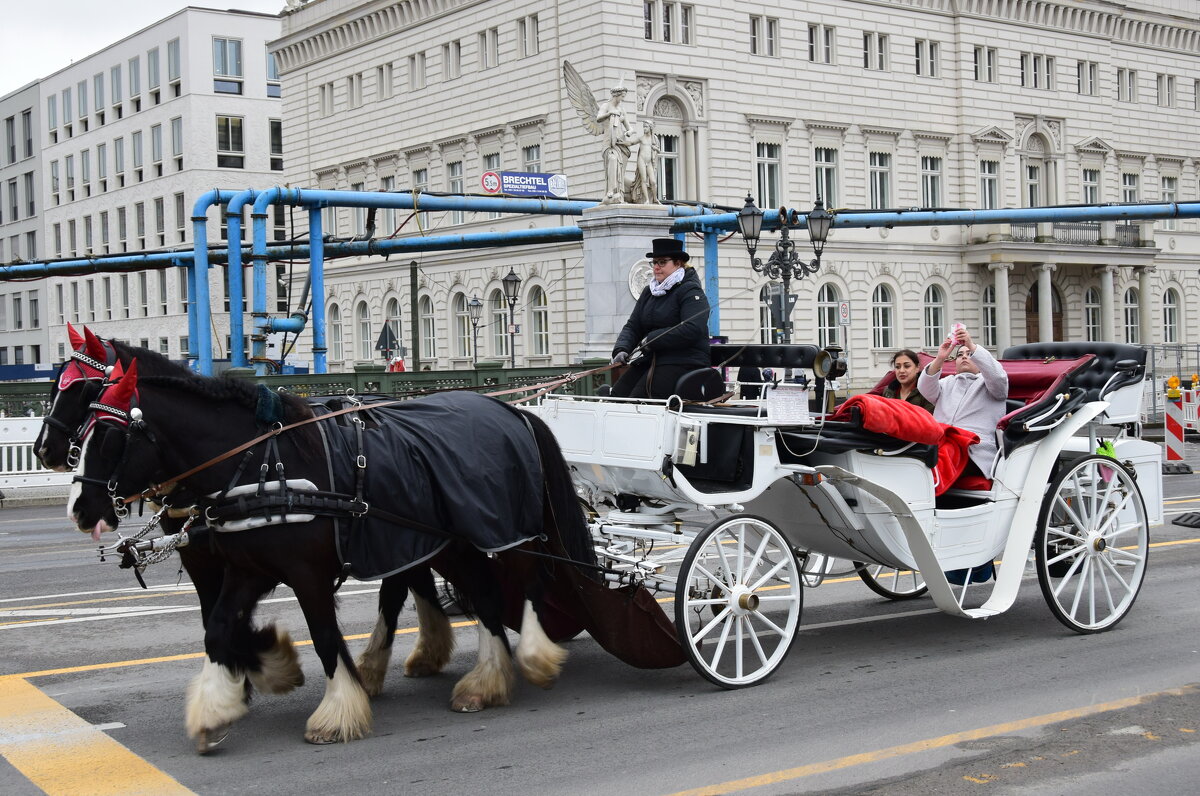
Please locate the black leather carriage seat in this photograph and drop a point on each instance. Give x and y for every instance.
(705, 384)
(1092, 380)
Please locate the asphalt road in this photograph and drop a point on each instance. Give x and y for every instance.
(875, 697)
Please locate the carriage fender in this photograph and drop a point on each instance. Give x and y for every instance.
(1021, 531)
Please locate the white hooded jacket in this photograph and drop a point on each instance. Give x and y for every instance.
(971, 401)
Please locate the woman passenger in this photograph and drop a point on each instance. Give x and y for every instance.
(906, 367)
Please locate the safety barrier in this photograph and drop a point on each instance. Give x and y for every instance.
(18, 465)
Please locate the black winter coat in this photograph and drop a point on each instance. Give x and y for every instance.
(673, 328)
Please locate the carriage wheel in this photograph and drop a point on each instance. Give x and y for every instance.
(892, 583)
(1091, 545)
(738, 601)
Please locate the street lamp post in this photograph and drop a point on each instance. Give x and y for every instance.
(512, 289)
(785, 262)
(475, 311)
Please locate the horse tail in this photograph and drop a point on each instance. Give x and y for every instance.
(562, 503)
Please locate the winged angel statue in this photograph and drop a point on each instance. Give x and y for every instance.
(612, 121)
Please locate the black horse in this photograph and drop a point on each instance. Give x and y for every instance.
(145, 430)
(77, 384)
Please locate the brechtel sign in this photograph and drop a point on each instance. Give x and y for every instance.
(524, 183)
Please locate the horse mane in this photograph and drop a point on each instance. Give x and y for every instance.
(150, 363)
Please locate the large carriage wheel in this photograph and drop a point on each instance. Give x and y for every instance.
(1091, 545)
(738, 601)
(892, 583)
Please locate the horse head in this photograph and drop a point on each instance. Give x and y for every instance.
(119, 456)
(80, 380)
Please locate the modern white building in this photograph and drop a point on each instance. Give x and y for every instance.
(22, 307)
(131, 136)
(866, 103)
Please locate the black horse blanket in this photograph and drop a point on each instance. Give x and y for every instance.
(460, 462)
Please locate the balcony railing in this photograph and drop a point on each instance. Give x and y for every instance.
(1079, 233)
(1127, 235)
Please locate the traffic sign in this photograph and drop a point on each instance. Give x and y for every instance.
(844, 313)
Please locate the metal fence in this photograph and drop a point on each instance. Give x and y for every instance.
(18, 466)
(1165, 361)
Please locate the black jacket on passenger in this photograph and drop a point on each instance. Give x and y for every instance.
(672, 328)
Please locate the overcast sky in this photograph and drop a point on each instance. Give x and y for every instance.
(39, 37)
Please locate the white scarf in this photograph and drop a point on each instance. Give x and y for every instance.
(660, 288)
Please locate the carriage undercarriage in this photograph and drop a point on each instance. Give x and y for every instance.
(732, 512)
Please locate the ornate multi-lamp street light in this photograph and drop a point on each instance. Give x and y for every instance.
(512, 290)
(785, 262)
(475, 312)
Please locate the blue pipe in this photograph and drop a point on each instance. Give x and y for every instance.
(712, 282)
(199, 310)
(233, 221)
(317, 257)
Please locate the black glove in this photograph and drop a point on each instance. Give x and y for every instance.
(620, 358)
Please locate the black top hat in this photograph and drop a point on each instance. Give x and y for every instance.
(668, 247)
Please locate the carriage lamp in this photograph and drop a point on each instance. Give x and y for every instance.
(785, 262)
(512, 289)
(475, 312)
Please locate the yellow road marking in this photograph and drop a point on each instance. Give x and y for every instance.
(146, 596)
(927, 744)
(62, 754)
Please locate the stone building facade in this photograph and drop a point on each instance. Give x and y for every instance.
(865, 103)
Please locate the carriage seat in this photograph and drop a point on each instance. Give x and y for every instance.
(838, 436)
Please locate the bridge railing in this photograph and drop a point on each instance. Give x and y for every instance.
(18, 465)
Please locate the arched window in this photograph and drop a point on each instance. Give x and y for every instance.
(362, 321)
(766, 327)
(428, 330)
(675, 142)
(934, 316)
(333, 333)
(539, 322)
(989, 316)
(499, 324)
(827, 315)
(1091, 314)
(1133, 317)
(394, 321)
(1170, 316)
(462, 326)
(883, 313)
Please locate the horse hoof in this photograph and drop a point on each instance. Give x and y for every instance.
(209, 739)
(472, 703)
(320, 738)
(420, 669)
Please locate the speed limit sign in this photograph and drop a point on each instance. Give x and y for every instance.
(844, 313)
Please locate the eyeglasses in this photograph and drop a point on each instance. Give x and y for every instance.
(657, 263)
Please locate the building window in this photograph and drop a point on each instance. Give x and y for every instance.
(820, 44)
(827, 315)
(767, 167)
(363, 320)
(451, 60)
(668, 167)
(420, 184)
(931, 181)
(764, 35)
(527, 34)
(52, 114)
(499, 324)
(115, 85)
(1037, 71)
(875, 51)
(454, 184)
(383, 81)
(273, 87)
(825, 174)
(354, 94)
(1170, 316)
(67, 108)
(156, 146)
(1165, 91)
(985, 64)
(1170, 194)
(276, 145)
(989, 184)
(230, 148)
(881, 179)
(1091, 186)
(152, 70)
(883, 312)
(531, 156)
(181, 219)
(1133, 317)
(933, 316)
(227, 66)
(177, 142)
(989, 316)
(388, 184)
(358, 215)
(416, 71)
(539, 322)
(325, 99)
(27, 133)
(928, 58)
(173, 70)
(489, 48)
(1129, 187)
(428, 329)
(1087, 77)
(667, 21)
(462, 326)
(333, 325)
(1127, 85)
(1033, 185)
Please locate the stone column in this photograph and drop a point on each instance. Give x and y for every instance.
(614, 238)
(1045, 303)
(1146, 305)
(1003, 308)
(1107, 308)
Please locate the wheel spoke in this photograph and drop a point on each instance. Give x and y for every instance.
(716, 620)
(1070, 512)
(1062, 584)
(730, 620)
(1132, 558)
(737, 647)
(716, 581)
(762, 656)
(725, 563)
(776, 598)
(1114, 514)
(741, 555)
(1116, 573)
(778, 630)
(783, 562)
(1075, 551)
(758, 554)
(1083, 574)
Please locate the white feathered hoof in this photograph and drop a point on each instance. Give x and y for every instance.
(216, 698)
(343, 715)
(539, 659)
(280, 672)
(372, 668)
(435, 642)
(210, 738)
(490, 683)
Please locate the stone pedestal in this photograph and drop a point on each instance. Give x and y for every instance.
(614, 238)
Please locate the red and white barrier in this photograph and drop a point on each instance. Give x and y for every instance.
(1174, 428)
(1191, 402)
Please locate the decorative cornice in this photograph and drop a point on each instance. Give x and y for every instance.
(833, 127)
(921, 135)
(991, 135)
(887, 132)
(1094, 145)
(778, 121)
(528, 121)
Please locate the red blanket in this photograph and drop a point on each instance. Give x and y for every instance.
(911, 423)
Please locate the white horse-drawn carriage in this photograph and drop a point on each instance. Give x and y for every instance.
(789, 494)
